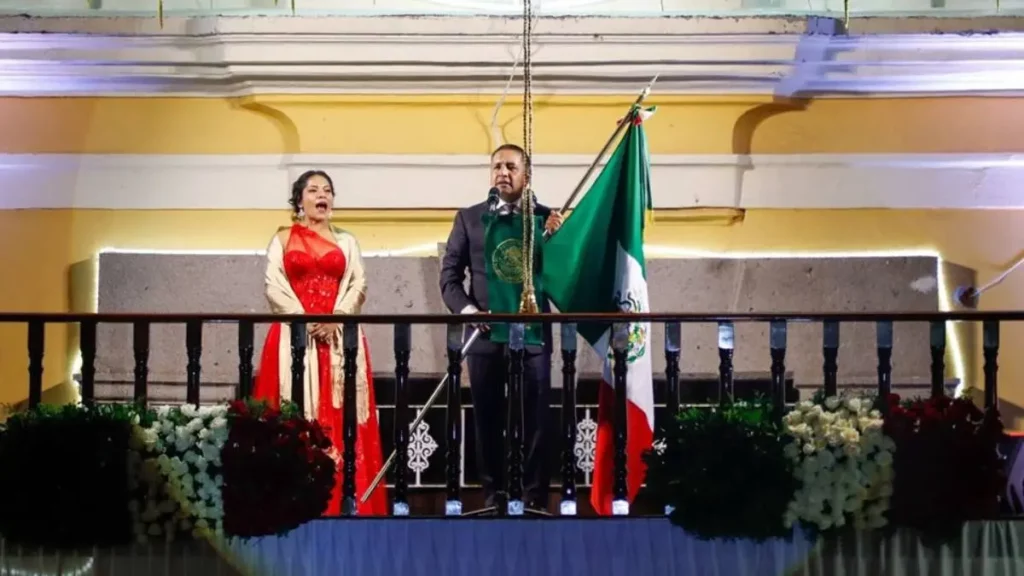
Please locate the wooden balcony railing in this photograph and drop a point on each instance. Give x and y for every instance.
(673, 350)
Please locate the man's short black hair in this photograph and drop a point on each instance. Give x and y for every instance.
(514, 148)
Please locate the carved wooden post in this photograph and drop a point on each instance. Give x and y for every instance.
(990, 350)
(673, 352)
(568, 505)
(883, 331)
(140, 338)
(245, 353)
(403, 350)
(620, 372)
(777, 344)
(453, 422)
(298, 350)
(517, 356)
(349, 423)
(36, 344)
(726, 346)
(194, 352)
(830, 350)
(87, 345)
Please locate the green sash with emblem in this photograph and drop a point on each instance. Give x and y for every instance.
(503, 253)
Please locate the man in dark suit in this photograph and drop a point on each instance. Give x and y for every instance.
(487, 360)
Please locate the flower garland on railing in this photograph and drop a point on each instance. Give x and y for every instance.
(700, 469)
(948, 468)
(182, 448)
(291, 458)
(62, 470)
(244, 469)
(843, 461)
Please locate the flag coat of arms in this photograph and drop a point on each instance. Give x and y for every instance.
(595, 263)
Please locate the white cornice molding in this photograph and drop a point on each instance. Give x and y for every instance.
(389, 55)
(382, 182)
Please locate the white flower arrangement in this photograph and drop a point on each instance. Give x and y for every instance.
(177, 469)
(843, 461)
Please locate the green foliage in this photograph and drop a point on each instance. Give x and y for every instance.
(62, 473)
(724, 472)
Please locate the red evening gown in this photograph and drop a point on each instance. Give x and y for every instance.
(314, 266)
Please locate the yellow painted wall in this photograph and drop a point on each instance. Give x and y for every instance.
(38, 247)
(454, 124)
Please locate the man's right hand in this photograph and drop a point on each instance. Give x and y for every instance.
(482, 326)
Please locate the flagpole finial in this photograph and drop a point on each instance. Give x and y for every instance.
(647, 90)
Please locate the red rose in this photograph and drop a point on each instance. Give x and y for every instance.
(238, 407)
(271, 413)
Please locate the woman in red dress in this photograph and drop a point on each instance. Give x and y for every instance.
(314, 268)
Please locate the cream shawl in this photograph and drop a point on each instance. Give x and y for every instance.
(351, 294)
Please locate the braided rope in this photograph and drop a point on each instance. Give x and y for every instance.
(527, 210)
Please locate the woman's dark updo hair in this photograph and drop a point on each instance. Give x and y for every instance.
(300, 184)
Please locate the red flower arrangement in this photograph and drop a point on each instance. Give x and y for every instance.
(947, 468)
(277, 471)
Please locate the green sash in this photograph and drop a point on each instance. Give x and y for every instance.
(503, 252)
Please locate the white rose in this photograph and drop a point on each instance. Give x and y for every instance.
(832, 402)
(884, 459)
(189, 411)
(792, 450)
(211, 452)
(826, 459)
(850, 436)
(183, 444)
(853, 405)
(809, 449)
(178, 466)
(150, 437)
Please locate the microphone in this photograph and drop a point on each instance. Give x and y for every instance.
(966, 296)
(492, 199)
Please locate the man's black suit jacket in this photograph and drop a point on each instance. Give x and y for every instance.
(465, 250)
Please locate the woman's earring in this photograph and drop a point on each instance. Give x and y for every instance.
(302, 213)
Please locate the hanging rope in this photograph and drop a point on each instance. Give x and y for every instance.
(528, 303)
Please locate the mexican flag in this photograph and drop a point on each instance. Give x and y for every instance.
(595, 263)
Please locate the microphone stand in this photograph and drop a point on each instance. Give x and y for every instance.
(416, 421)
